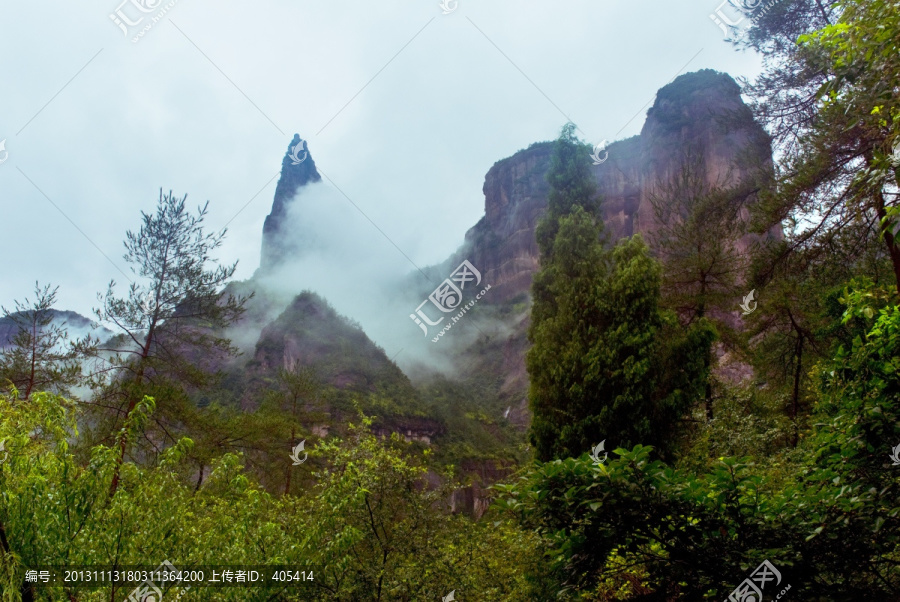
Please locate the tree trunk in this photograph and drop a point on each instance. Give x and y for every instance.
(123, 437)
(123, 441)
(139, 378)
(26, 591)
(701, 311)
(31, 375)
(795, 401)
(200, 477)
(287, 484)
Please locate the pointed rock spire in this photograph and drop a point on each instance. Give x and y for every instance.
(297, 170)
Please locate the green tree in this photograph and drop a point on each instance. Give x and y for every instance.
(571, 186)
(799, 323)
(784, 96)
(55, 510)
(829, 96)
(831, 100)
(605, 363)
(825, 514)
(861, 98)
(574, 261)
(168, 325)
(562, 290)
(218, 429)
(298, 392)
(380, 532)
(39, 355)
(698, 225)
(371, 527)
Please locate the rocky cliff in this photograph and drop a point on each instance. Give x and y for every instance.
(702, 112)
(699, 115)
(297, 170)
(699, 112)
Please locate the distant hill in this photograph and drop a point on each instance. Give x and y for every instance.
(309, 333)
(75, 324)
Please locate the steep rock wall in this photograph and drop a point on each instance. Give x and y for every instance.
(700, 111)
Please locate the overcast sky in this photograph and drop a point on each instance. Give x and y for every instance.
(404, 109)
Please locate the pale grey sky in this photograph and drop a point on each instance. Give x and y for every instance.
(207, 101)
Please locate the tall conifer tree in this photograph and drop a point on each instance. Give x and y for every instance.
(606, 362)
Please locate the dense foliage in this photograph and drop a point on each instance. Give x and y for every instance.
(366, 529)
(683, 532)
(607, 363)
(732, 441)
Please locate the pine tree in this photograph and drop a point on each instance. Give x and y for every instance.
(606, 362)
(697, 227)
(571, 186)
(169, 325)
(39, 356)
(829, 97)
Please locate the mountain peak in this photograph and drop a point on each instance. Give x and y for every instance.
(298, 169)
(701, 111)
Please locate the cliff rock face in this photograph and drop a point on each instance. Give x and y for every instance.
(701, 113)
(698, 112)
(502, 243)
(297, 170)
